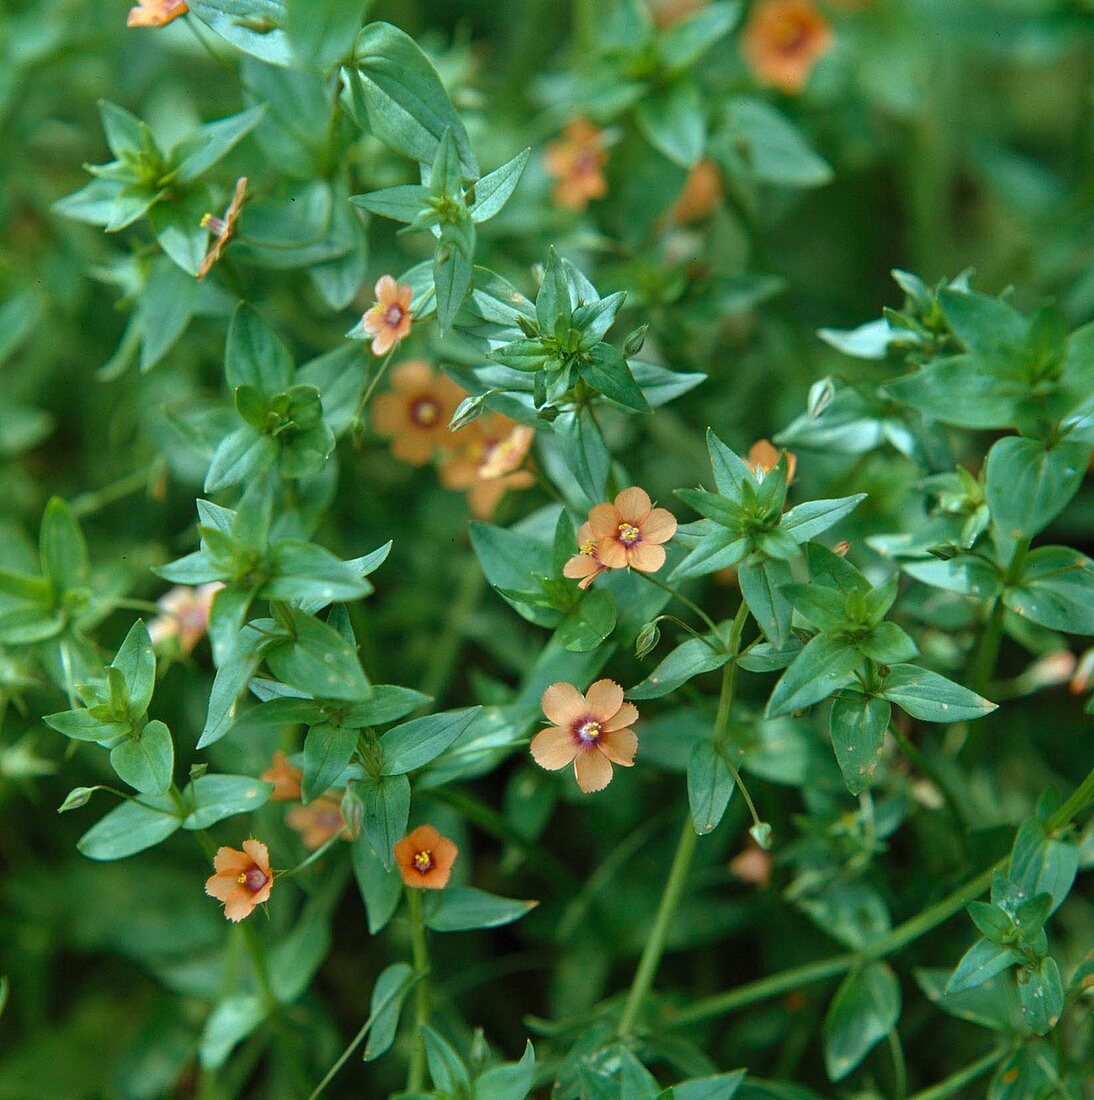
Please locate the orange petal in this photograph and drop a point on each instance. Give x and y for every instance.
(646, 557)
(444, 854)
(633, 505)
(553, 748)
(563, 704)
(230, 861)
(220, 886)
(626, 715)
(659, 526)
(604, 521)
(259, 853)
(593, 771)
(619, 746)
(386, 289)
(413, 376)
(580, 565)
(415, 448)
(239, 906)
(604, 699)
(383, 342)
(612, 553)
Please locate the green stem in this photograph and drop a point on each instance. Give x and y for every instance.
(982, 668)
(957, 1081)
(446, 649)
(900, 1070)
(684, 600)
(258, 960)
(87, 504)
(369, 391)
(415, 1078)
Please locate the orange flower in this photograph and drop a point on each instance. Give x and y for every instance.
(185, 615)
(425, 858)
(667, 13)
(630, 532)
(416, 412)
(486, 461)
(223, 229)
(702, 195)
(155, 13)
(243, 880)
(763, 457)
(577, 161)
(285, 778)
(1084, 673)
(783, 40)
(318, 821)
(389, 320)
(586, 563)
(753, 865)
(592, 731)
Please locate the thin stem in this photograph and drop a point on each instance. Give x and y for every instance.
(900, 1070)
(87, 504)
(446, 649)
(957, 1081)
(258, 960)
(317, 854)
(415, 1077)
(683, 599)
(370, 390)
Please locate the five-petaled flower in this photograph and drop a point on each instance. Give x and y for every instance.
(318, 821)
(629, 533)
(243, 880)
(487, 461)
(763, 457)
(585, 566)
(425, 858)
(416, 411)
(184, 615)
(285, 778)
(223, 229)
(389, 320)
(577, 162)
(591, 731)
(155, 13)
(783, 40)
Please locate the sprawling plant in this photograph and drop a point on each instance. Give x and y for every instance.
(807, 695)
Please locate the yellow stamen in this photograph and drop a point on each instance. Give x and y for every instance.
(628, 534)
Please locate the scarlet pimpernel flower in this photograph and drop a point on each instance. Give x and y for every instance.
(155, 13)
(763, 457)
(415, 413)
(185, 615)
(390, 319)
(425, 858)
(223, 229)
(782, 42)
(591, 731)
(629, 533)
(585, 566)
(487, 461)
(285, 778)
(243, 879)
(318, 821)
(576, 161)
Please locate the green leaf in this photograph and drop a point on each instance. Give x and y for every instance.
(774, 149)
(82, 725)
(402, 97)
(589, 622)
(124, 132)
(1056, 590)
(510, 1081)
(136, 661)
(255, 355)
(388, 995)
(584, 451)
(982, 961)
(1043, 864)
(958, 391)
(212, 142)
(932, 698)
(228, 1025)
(328, 748)
(240, 457)
(730, 470)
(387, 809)
(805, 521)
(312, 577)
(822, 667)
(215, 797)
(322, 34)
(689, 659)
(463, 908)
(1041, 991)
(967, 575)
(1028, 486)
(674, 122)
(380, 886)
(824, 608)
(710, 786)
(130, 828)
(446, 1068)
(888, 644)
(989, 328)
(993, 1004)
(762, 583)
(453, 268)
(386, 703)
(402, 203)
(684, 43)
(554, 309)
(722, 1087)
(62, 547)
(166, 306)
(607, 372)
(857, 726)
(865, 1009)
(146, 762)
(317, 660)
(414, 744)
(493, 191)
(253, 26)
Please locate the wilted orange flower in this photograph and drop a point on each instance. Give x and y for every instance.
(592, 731)
(1084, 673)
(318, 821)
(763, 457)
(486, 461)
(425, 858)
(416, 412)
(702, 195)
(185, 615)
(285, 778)
(155, 13)
(577, 161)
(630, 531)
(783, 40)
(223, 229)
(667, 13)
(753, 865)
(389, 320)
(586, 563)
(243, 880)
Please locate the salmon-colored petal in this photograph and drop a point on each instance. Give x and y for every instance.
(229, 861)
(646, 557)
(580, 565)
(603, 700)
(413, 376)
(383, 342)
(483, 498)
(425, 838)
(259, 853)
(262, 896)
(604, 521)
(619, 746)
(444, 854)
(402, 329)
(372, 321)
(626, 715)
(553, 748)
(585, 582)
(220, 886)
(659, 526)
(389, 413)
(413, 447)
(437, 879)
(239, 907)
(584, 533)
(563, 704)
(593, 771)
(763, 455)
(612, 553)
(403, 295)
(386, 289)
(633, 505)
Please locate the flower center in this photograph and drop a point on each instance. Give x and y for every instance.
(588, 548)
(423, 861)
(328, 819)
(215, 225)
(425, 412)
(791, 35)
(254, 878)
(588, 731)
(587, 162)
(393, 314)
(628, 534)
